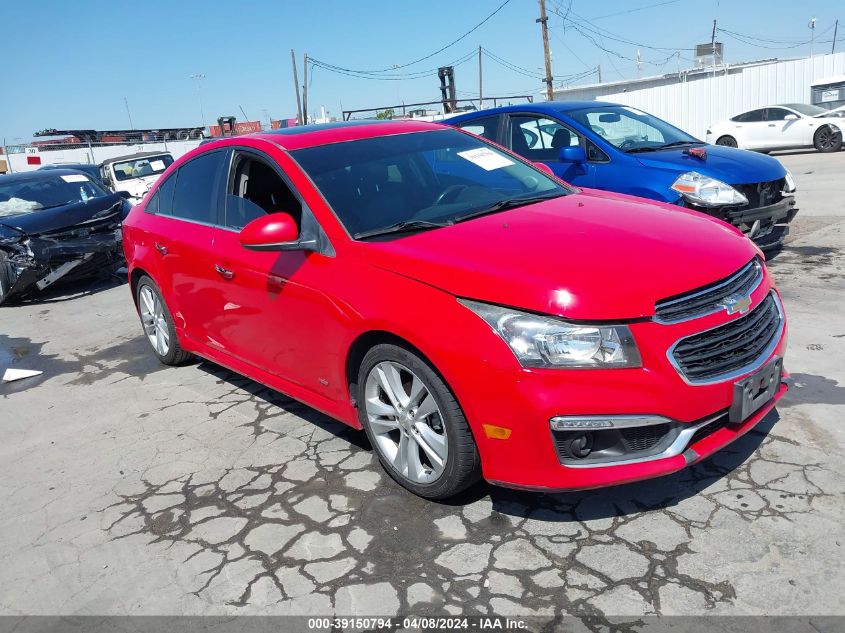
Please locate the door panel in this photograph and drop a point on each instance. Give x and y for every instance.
(540, 139)
(783, 133)
(270, 313)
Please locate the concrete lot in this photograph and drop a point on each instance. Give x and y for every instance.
(131, 488)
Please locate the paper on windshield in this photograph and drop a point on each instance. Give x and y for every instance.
(157, 165)
(75, 178)
(486, 158)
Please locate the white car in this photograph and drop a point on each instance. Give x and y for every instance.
(135, 173)
(789, 126)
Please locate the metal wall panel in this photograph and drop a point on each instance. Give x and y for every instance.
(692, 102)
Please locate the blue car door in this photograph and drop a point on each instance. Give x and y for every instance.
(540, 139)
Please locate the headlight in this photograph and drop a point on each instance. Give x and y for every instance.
(539, 341)
(790, 183)
(706, 191)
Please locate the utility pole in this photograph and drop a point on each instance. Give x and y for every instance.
(835, 30)
(198, 77)
(296, 87)
(480, 92)
(129, 114)
(305, 88)
(599, 73)
(544, 26)
(812, 26)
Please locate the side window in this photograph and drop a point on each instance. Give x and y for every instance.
(776, 114)
(152, 205)
(196, 185)
(595, 155)
(749, 117)
(487, 127)
(256, 189)
(163, 197)
(540, 139)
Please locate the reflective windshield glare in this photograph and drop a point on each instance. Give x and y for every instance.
(630, 129)
(426, 177)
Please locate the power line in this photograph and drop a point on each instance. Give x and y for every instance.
(643, 8)
(385, 77)
(430, 55)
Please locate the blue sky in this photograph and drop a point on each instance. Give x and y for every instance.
(70, 64)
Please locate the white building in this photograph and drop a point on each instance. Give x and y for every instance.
(692, 99)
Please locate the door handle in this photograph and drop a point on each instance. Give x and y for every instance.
(772, 124)
(161, 248)
(224, 272)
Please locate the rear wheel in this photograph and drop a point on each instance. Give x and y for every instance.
(158, 324)
(727, 141)
(414, 423)
(827, 139)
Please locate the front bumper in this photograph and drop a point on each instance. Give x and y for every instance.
(527, 400)
(767, 226)
(38, 262)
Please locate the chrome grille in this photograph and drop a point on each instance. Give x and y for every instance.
(709, 299)
(732, 349)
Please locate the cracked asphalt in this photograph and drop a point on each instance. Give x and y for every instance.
(128, 488)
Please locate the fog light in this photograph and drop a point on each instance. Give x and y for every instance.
(581, 445)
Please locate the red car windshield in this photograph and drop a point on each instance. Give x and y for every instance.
(424, 177)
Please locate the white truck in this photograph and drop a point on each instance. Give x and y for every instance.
(134, 173)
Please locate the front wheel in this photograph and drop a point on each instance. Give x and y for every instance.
(158, 323)
(727, 141)
(827, 139)
(415, 424)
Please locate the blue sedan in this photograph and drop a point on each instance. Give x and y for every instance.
(619, 148)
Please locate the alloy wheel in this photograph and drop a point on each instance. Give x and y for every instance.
(827, 139)
(152, 318)
(406, 422)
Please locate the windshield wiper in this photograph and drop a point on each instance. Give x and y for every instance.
(503, 205)
(401, 227)
(654, 148)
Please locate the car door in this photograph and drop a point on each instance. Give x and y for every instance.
(187, 206)
(751, 129)
(540, 139)
(268, 310)
(793, 132)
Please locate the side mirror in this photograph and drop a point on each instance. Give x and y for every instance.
(124, 194)
(790, 117)
(274, 232)
(573, 154)
(544, 168)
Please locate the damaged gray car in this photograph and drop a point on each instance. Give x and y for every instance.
(56, 225)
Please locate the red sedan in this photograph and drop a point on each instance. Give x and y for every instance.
(475, 316)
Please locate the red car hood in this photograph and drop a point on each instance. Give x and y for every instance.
(593, 255)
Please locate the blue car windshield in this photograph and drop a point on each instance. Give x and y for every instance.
(631, 130)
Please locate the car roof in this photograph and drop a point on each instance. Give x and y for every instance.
(301, 136)
(23, 176)
(552, 107)
(117, 159)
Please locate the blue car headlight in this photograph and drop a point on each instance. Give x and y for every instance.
(706, 191)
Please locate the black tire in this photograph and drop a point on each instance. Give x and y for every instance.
(727, 141)
(462, 467)
(175, 354)
(827, 140)
(5, 277)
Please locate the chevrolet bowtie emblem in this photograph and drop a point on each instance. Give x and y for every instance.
(736, 304)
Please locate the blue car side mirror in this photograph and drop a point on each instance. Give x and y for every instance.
(573, 154)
